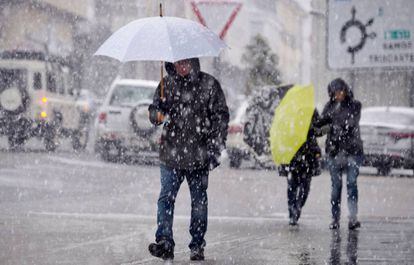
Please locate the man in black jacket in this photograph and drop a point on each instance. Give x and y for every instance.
(194, 134)
(343, 148)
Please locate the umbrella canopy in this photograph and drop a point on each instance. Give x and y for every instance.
(291, 123)
(161, 39)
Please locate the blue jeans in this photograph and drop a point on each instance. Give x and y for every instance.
(350, 166)
(171, 180)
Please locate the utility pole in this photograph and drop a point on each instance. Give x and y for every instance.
(410, 81)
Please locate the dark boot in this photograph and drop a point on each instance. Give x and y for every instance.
(293, 222)
(334, 225)
(354, 224)
(162, 249)
(197, 254)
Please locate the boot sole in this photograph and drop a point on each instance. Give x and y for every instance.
(159, 254)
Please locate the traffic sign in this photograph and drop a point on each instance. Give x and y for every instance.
(366, 33)
(218, 15)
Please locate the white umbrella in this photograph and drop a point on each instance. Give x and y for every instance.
(161, 39)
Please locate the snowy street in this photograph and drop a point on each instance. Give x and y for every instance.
(75, 209)
(279, 97)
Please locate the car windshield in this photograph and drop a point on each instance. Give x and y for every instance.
(240, 112)
(387, 117)
(127, 95)
(13, 77)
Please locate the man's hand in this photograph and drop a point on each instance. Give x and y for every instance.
(325, 129)
(160, 117)
(213, 161)
(155, 116)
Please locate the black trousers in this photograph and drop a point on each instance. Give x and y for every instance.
(297, 192)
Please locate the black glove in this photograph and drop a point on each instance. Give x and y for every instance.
(283, 170)
(165, 105)
(213, 161)
(153, 112)
(323, 130)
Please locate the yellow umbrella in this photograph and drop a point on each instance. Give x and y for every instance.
(291, 123)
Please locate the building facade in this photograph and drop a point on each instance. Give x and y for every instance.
(40, 25)
(55, 27)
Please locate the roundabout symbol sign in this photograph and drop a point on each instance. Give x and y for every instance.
(353, 23)
(370, 34)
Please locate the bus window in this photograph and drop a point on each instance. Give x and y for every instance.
(37, 81)
(60, 84)
(51, 82)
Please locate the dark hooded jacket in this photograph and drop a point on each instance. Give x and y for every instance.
(306, 160)
(195, 130)
(343, 118)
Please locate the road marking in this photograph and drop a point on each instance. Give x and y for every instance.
(116, 216)
(78, 162)
(98, 241)
(6, 181)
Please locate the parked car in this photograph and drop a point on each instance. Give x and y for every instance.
(122, 125)
(248, 134)
(37, 99)
(388, 137)
(237, 149)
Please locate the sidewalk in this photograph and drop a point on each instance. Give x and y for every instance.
(272, 241)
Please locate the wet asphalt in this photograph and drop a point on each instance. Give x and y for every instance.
(67, 208)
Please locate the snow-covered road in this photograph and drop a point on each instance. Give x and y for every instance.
(65, 208)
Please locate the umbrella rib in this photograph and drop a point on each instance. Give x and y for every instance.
(132, 42)
(210, 43)
(169, 41)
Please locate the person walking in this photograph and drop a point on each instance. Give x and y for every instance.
(304, 165)
(193, 136)
(344, 148)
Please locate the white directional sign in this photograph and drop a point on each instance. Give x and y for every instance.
(368, 33)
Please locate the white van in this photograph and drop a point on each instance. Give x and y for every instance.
(122, 127)
(37, 100)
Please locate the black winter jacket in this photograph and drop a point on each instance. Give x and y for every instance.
(343, 119)
(306, 160)
(195, 129)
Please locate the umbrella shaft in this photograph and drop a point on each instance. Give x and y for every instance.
(162, 82)
(162, 68)
(160, 9)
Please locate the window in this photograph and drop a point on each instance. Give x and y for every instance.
(60, 84)
(129, 95)
(55, 83)
(37, 81)
(387, 117)
(51, 82)
(13, 77)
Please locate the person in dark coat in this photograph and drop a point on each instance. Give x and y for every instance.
(304, 165)
(344, 148)
(193, 136)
